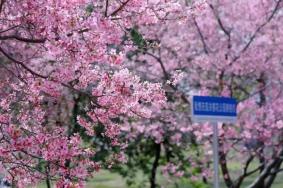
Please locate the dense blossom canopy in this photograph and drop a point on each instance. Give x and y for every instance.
(231, 48)
(52, 50)
(137, 63)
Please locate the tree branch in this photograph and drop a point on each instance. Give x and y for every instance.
(22, 39)
(14, 74)
(245, 173)
(257, 31)
(166, 75)
(226, 31)
(2, 5)
(273, 174)
(8, 29)
(201, 36)
(21, 64)
(119, 8)
(219, 21)
(106, 8)
(266, 171)
(223, 164)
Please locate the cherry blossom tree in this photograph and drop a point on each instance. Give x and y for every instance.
(55, 51)
(124, 58)
(232, 48)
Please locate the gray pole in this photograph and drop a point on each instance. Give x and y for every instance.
(215, 156)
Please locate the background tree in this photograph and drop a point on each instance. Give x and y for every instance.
(231, 49)
(68, 49)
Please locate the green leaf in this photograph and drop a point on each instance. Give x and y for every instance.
(89, 9)
(137, 38)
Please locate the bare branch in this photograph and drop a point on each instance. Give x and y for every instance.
(22, 39)
(223, 164)
(2, 5)
(119, 8)
(205, 47)
(275, 10)
(22, 64)
(166, 75)
(245, 171)
(14, 74)
(106, 8)
(219, 21)
(9, 29)
(266, 171)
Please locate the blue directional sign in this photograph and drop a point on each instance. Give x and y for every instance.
(214, 109)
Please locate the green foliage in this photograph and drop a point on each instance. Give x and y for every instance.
(89, 9)
(141, 155)
(142, 43)
(186, 183)
(140, 158)
(137, 38)
(41, 165)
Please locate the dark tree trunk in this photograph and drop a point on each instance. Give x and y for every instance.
(226, 175)
(273, 175)
(47, 168)
(264, 178)
(155, 166)
(48, 184)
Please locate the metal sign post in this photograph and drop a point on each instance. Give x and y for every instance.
(215, 156)
(214, 110)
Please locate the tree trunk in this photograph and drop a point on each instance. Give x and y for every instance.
(261, 179)
(226, 175)
(155, 166)
(48, 184)
(273, 175)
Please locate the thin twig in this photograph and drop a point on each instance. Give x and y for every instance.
(22, 64)
(119, 8)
